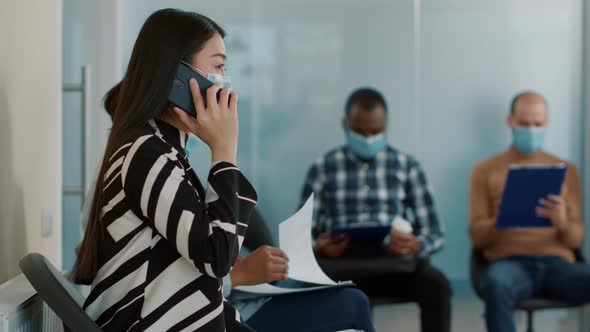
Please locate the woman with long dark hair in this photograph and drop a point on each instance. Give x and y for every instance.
(157, 245)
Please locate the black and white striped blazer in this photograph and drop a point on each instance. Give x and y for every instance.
(170, 242)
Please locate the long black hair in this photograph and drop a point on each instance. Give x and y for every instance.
(167, 37)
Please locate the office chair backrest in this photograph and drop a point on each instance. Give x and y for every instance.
(579, 256)
(258, 233)
(59, 294)
(477, 265)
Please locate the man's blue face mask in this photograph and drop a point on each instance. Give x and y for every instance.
(528, 140)
(191, 143)
(365, 147)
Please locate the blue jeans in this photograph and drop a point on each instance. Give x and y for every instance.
(510, 280)
(320, 311)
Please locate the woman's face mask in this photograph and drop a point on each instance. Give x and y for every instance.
(191, 143)
(224, 80)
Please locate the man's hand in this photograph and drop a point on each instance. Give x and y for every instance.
(265, 264)
(554, 209)
(331, 246)
(403, 244)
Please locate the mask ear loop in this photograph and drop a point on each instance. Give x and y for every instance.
(206, 75)
(202, 73)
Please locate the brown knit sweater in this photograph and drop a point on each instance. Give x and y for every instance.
(487, 185)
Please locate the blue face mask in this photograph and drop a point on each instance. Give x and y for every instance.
(528, 140)
(224, 80)
(365, 147)
(191, 143)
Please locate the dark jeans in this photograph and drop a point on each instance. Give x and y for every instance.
(427, 286)
(328, 310)
(510, 280)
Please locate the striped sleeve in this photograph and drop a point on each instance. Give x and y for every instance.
(206, 231)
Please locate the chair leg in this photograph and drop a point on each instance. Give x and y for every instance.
(530, 321)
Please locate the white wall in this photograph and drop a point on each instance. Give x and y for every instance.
(30, 130)
(585, 317)
(101, 50)
(586, 109)
(586, 124)
(475, 56)
(448, 69)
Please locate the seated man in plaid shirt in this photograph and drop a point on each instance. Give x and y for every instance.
(366, 180)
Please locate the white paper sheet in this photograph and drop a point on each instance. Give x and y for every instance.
(295, 241)
(270, 290)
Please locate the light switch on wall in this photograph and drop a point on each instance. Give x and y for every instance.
(46, 223)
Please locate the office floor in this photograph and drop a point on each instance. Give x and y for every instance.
(467, 316)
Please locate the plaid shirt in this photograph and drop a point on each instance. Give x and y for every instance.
(349, 190)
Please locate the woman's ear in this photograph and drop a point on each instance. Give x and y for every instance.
(176, 112)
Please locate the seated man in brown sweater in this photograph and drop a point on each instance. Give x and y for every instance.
(527, 262)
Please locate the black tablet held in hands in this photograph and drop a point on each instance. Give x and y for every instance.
(180, 93)
(368, 231)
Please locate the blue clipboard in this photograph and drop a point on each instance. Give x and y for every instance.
(363, 231)
(525, 185)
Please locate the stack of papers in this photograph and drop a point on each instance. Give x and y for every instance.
(295, 241)
(271, 290)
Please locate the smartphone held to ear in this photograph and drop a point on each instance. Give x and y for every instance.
(180, 94)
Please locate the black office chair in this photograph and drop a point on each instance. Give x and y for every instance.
(351, 268)
(59, 294)
(258, 235)
(479, 263)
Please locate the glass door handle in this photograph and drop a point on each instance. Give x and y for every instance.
(84, 89)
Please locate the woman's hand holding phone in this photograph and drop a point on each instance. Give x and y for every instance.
(216, 123)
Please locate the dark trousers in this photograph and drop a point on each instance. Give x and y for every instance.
(427, 286)
(327, 310)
